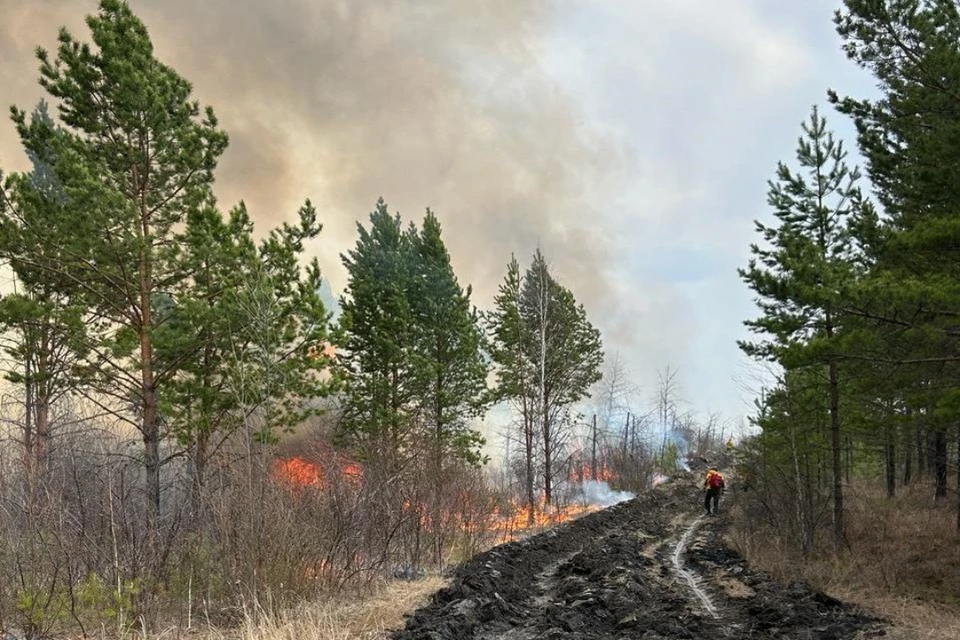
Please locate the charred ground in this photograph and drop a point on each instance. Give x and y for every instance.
(612, 574)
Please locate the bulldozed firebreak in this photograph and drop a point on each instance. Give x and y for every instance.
(651, 568)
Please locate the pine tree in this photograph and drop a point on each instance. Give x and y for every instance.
(119, 222)
(244, 329)
(135, 158)
(44, 326)
(448, 348)
(414, 369)
(565, 353)
(801, 275)
(507, 339)
(908, 137)
(382, 378)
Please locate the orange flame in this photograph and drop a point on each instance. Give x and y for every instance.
(299, 473)
(519, 520)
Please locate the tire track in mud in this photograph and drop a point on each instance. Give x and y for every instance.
(692, 579)
(647, 569)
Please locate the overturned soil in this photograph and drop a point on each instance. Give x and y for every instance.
(652, 568)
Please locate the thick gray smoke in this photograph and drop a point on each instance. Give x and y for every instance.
(599, 493)
(434, 103)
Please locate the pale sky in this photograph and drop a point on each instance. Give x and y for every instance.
(631, 140)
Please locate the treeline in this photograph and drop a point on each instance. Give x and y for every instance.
(858, 285)
(162, 358)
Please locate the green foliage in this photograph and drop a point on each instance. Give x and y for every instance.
(670, 459)
(507, 335)
(98, 600)
(413, 367)
(547, 356)
(563, 347)
(377, 321)
(171, 316)
(908, 137)
(133, 160)
(874, 295)
(246, 331)
(806, 264)
(448, 347)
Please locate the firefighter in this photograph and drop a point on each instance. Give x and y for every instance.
(714, 485)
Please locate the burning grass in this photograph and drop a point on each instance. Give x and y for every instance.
(505, 522)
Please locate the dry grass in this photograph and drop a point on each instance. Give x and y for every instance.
(912, 618)
(370, 618)
(903, 560)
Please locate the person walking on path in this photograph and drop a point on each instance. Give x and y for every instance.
(714, 485)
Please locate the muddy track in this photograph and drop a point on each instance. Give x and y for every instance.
(651, 568)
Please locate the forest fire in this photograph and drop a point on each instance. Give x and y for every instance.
(507, 522)
(519, 519)
(298, 473)
(585, 471)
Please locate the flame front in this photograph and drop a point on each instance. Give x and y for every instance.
(297, 472)
(300, 473)
(521, 519)
(508, 522)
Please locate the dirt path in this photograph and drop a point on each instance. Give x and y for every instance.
(649, 569)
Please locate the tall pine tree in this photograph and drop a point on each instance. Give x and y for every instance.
(909, 138)
(135, 158)
(448, 348)
(802, 271)
(507, 341)
(380, 373)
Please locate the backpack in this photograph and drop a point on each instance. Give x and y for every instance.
(715, 481)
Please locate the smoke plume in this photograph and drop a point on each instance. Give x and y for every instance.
(599, 493)
(426, 102)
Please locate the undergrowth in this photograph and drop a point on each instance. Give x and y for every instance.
(901, 558)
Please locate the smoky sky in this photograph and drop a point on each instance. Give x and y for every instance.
(439, 104)
(629, 141)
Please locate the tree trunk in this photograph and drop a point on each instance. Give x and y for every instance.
(151, 439)
(626, 434)
(199, 471)
(805, 537)
(529, 451)
(837, 453)
(848, 458)
(547, 461)
(29, 447)
(907, 459)
(151, 456)
(593, 450)
(920, 456)
(958, 478)
(940, 463)
(42, 400)
(438, 466)
(545, 425)
(150, 419)
(890, 456)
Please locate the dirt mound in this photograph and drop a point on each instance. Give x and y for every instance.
(613, 574)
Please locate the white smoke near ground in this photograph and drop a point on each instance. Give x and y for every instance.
(599, 493)
(660, 479)
(670, 435)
